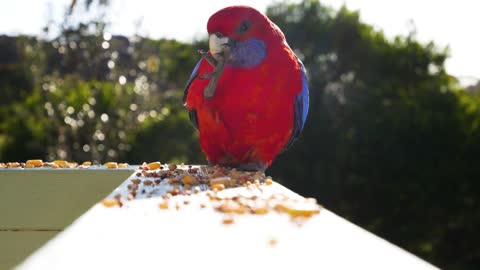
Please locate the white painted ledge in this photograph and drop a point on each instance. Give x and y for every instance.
(141, 236)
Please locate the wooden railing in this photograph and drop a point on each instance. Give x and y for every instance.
(256, 225)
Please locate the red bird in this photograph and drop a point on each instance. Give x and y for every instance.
(248, 96)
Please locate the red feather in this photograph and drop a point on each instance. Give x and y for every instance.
(250, 117)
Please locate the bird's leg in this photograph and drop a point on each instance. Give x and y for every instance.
(209, 90)
(218, 63)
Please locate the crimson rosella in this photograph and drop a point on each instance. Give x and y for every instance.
(248, 96)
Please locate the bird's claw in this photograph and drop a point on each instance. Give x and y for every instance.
(218, 63)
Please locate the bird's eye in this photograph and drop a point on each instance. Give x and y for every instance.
(244, 27)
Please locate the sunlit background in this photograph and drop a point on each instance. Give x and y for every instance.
(451, 23)
(393, 134)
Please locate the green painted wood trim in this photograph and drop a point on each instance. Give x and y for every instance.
(51, 199)
(15, 246)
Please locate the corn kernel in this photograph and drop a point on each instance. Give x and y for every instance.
(123, 165)
(61, 163)
(154, 165)
(111, 165)
(87, 163)
(226, 181)
(260, 210)
(189, 180)
(13, 164)
(268, 181)
(227, 220)
(109, 202)
(163, 204)
(34, 163)
(218, 187)
(301, 209)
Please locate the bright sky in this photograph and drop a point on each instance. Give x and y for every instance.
(447, 22)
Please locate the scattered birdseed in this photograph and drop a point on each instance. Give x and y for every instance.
(163, 204)
(189, 181)
(34, 163)
(109, 202)
(228, 220)
(111, 165)
(136, 181)
(154, 165)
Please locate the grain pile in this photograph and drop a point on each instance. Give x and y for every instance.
(228, 191)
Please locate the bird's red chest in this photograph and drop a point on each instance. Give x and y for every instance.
(250, 117)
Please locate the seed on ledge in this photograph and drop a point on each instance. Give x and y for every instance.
(193, 170)
(61, 163)
(13, 164)
(226, 181)
(227, 220)
(34, 163)
(189, 180)
(163, 204)
(300, 209)
(154, 165)
(136, 181)
(110, 202)
(218, 187)
(111, 165)
(272, 242)
(172, 166)
(147, 183)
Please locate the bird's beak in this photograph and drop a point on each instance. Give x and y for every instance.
(217, 44)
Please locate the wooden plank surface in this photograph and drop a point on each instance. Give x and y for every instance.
(17, 245)
(36, 204)
(140, 235)
(51, 199)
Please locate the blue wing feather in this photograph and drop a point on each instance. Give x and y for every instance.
(300, 108)
(190, 80)
(192, 113)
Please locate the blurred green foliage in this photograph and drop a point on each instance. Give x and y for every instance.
(391, 140)
(390, 143)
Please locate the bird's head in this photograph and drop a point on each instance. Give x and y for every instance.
(242, 35)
